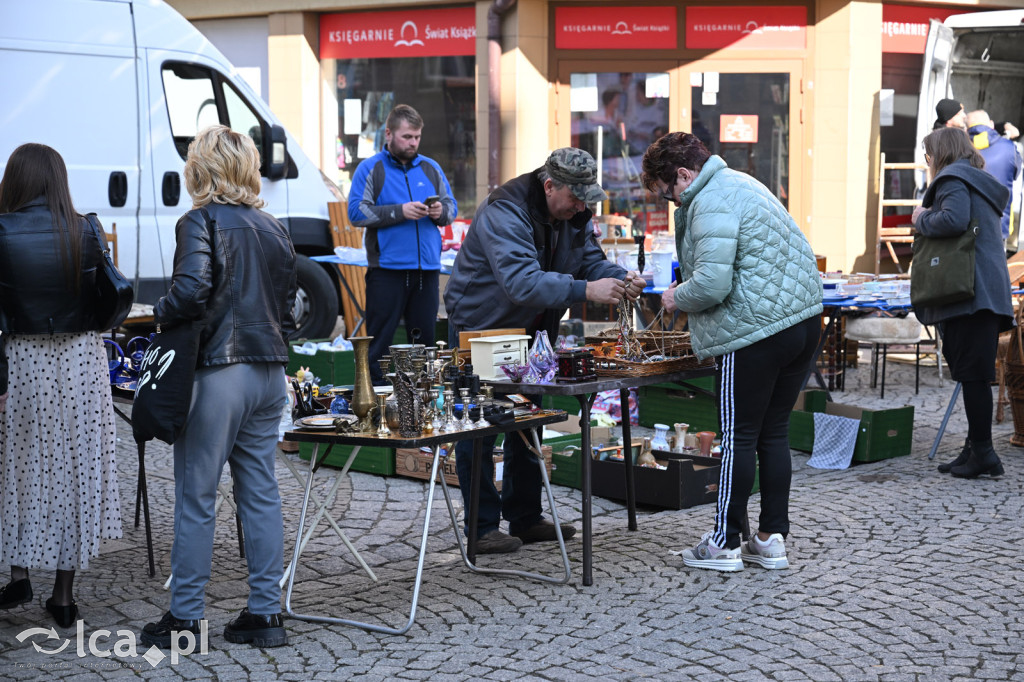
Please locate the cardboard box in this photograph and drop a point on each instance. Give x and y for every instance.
(415, 463)
(883, 433)
(370, 460)
(692, 403)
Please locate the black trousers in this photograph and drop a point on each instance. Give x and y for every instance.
(757, 387)
(970, 344)
(392, 295)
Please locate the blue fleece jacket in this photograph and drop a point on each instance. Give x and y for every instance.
(380, 186)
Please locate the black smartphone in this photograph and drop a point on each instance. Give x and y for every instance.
(431, 200)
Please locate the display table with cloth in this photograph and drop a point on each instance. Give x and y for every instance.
(584, 392)
(324, 440)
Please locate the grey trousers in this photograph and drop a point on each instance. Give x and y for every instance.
(234, 418)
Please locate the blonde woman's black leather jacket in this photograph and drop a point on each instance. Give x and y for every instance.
(241, 276)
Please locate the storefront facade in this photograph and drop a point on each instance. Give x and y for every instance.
(801, 95)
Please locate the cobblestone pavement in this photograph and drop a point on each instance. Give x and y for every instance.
(897, 573)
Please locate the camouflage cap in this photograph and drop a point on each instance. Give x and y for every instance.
(577, 169)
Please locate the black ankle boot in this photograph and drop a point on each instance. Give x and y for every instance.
(983, 460)
(15, 593)
(960, 459)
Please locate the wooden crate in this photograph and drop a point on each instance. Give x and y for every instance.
(416, 463)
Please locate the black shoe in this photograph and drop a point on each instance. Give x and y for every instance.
(960, 459)
(252, 628)
(983, 460)
(15, 593)
(159, 634)
(497, 542)
(64, 614)
(544, 531)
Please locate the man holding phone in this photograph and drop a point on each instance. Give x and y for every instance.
(401, 197)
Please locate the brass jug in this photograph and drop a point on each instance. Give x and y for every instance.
(363, 402)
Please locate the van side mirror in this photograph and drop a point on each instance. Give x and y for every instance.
(275, 153)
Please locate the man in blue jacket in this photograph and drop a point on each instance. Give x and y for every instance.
(401, 197)
(528, 256)
(1002, 158)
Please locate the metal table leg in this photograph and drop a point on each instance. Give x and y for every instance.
(627, 459)
(945, 420)
(467, 556)
(313, 465)
(322, 513)
(586, 457)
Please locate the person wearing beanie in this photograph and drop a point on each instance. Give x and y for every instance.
(950, 115)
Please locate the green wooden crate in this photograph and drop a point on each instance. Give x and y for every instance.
(801, 419)
(370, 460)
(671, 403)
(565, 460)
(882, 434)
(335, 368)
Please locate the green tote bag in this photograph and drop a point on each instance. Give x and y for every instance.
(943, 269)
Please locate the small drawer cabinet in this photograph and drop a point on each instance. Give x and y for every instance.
(489, 353)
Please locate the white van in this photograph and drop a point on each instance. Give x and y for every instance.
(120, 88)
(978, 60)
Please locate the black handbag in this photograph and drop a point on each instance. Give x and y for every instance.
(942, 271)
(163, 395)
(114, 293)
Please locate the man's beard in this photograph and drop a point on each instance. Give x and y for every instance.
(405, 156)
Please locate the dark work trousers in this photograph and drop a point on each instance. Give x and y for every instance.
(969, 344)
(757, 387)
(519, 499)
(392, 295)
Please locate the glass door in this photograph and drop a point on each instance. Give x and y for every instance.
(615, 110)
(751, 117)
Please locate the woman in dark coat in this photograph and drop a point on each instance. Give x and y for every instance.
(961, 193)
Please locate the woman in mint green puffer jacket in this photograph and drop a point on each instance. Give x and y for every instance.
(752, 291)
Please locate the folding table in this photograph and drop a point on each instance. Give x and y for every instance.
(585, 392)
(434, 441)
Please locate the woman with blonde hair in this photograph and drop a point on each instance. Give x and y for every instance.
(234, 267)
(58, 479)
(962, 196)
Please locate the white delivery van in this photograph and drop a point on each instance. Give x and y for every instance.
(978, 60)
(120, 88)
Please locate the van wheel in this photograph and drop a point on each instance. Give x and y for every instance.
(316, 301)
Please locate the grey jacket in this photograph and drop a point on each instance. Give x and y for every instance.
(748, 272)
(516, 268)
(958, 194)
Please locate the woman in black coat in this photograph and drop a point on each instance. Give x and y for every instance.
(960, 194)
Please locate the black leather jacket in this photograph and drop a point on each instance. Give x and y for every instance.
(246, 285)
(34, 296)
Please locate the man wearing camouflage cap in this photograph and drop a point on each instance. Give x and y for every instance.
(529, 254)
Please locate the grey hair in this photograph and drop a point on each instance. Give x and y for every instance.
(544, 176)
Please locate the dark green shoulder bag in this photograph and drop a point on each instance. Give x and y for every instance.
(942, 270)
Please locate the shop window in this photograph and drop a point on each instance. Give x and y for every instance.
(615, 117)
(441, 89)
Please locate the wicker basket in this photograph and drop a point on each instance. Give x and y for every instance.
(663, 342)
(619, 367)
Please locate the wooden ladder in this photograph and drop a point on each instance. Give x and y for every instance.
(898, 234)
(343, 233)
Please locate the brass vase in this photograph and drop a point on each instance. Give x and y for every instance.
(363, 401)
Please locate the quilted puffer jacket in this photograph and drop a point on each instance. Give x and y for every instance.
(748, 272)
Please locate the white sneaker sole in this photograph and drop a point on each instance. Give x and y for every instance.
(724, 565)
(771, 563)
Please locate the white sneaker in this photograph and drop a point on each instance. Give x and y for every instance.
(769, 554)
(706, 555)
